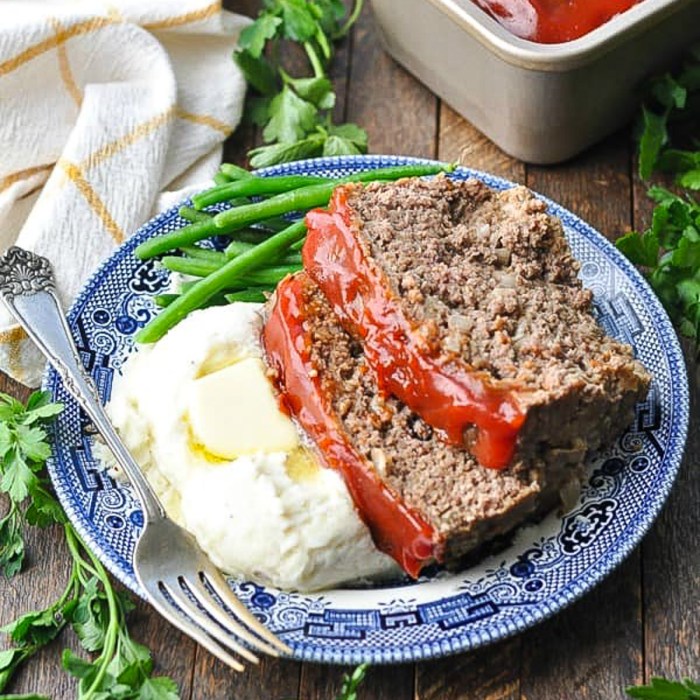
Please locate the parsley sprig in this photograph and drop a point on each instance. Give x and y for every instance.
(295, 112)
(89, 604)
(23, 451)
(662, 689)
(669, 249)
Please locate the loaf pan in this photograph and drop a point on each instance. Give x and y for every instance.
(541, 103)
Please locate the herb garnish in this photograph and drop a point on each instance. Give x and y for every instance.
(669, 249)
(352, 682)
(89, 604)
(662, 689)
(23, 451)
(295, 113)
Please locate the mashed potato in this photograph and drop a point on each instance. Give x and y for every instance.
(272, 514)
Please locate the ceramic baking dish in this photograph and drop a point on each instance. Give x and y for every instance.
(542, 103)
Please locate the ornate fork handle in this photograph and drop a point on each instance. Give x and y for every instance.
(27, 288)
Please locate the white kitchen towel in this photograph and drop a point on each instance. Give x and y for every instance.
(103, 106)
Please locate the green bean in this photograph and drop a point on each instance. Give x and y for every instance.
(250, 294)
(197, 231)
(193, 215)
(164, 300)
(298, 245)
(220, 179)
(291, 259)
(252, 235)
(315, 195)
(225, 276)
(203, 268)
(234, 172)
(189, 266)
(253, 187)
(260, 212)
(176, 239)
(235, 248)
(275, 224)
(268, 275)
(194, 251)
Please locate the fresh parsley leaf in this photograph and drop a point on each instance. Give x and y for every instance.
(292, 117)
(338, 146)
(690, 179)
(669, 92)
(11, 542)
(18, 478)
(258, 72)
(352, 682)
(257, 110)
(641, 249)
(318, 91)
(294, 112)
(654, 137)
(662, 689)
(90, 615)
(299, 19)
(263, 156)
(254, 36)
(43, 509)
(351, 132)
(159, 688)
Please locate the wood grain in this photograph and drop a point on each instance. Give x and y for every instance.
(671, 551)
(399, 114)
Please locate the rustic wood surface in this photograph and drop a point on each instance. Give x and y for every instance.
(641, 621)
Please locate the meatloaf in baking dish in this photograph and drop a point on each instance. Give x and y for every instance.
(423, 499)
(467, 303)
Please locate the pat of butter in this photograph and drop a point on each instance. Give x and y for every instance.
(234, 412)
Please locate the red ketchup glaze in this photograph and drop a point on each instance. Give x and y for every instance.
(395, 528)
(444, 392)
(553, 21)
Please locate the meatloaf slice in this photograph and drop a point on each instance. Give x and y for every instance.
(423, 499)
(470, 311)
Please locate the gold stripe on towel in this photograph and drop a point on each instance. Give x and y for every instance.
(13, 335)
(64, 67)
(205, 120)
(22, 174)
(187, 18)
(84, 27)
(93, 199)
(138, 132)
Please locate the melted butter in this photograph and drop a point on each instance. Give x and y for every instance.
(234, 412)
(219, 360)
(198, 449)
(302, 465)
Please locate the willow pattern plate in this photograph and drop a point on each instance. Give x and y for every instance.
(546, 567)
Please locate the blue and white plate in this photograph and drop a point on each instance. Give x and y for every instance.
(547, 566)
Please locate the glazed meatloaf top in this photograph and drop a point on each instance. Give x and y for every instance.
(488, 287)
(460, 503)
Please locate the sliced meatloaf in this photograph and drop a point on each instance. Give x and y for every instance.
(470, 311)
(423, 499)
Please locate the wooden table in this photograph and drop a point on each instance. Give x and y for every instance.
(642, 621)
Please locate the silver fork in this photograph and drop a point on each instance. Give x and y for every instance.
(176, 575)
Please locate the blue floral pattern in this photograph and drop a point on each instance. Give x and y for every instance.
(546, 567)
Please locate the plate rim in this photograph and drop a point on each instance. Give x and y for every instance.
(626, 542)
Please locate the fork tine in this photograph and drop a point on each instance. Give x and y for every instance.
(224, 618)
(165, 608)
(209, 626)
(218, 584)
